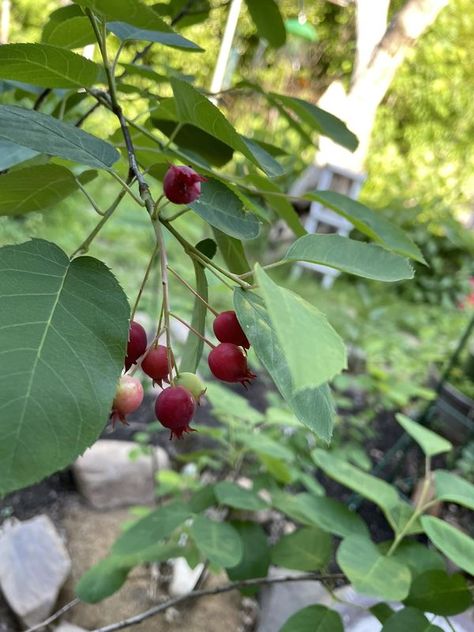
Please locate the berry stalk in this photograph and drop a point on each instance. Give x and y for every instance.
(193, 291)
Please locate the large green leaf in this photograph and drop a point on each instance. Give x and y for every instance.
(47, 135)
(46, 66)
(307, 549)
(151, 529)
(132, 12)
(437, 592)
(430, 442)
(101, 581)
(368, 486)
(218, 541)
(370, 572)
(418, 557)
(34, 188)
(409, 619)
(267, 18)
(12, 154)
(355, 257)
(194, 108)
(314, 406)
(323, 122)
(371, 223)
(68, 27)
(232, 252)
(314, 619)
(279, 203)
(454, 489)
(457, 546)
(315, 353)
(219, 206)
(63, 331)
(126, 32)
(233, 495)
(193, 347)
(326, 513)
(255, 556)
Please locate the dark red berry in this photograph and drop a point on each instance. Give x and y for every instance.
(182, 185)
(175, 408)
(227, 329)
(137, 344)
(155, 364)
(229, 364)
(128, 397)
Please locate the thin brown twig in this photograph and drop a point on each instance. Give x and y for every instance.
(259, 581)
(56, 615)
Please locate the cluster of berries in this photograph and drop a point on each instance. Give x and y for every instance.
(176, 405)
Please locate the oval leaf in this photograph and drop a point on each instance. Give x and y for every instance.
(68, 27)
(314, 351)
(409, 619)
(46, 66)
(218, 541)
(221, 208)
(437, 592)
(255, 557)
(126, 32)
(34, 189)
(314, 406)
(457, 546)
(314, 619)
(267, 18)
(370, 572)
(454, 489)
(371, 223)
(193, 347)
(233, 495)
(307, 549)
(232, 252)
(47, 135)
(63, 330)
(430, 442)
(355, 257)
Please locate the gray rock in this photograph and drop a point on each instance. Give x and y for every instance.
(69, 627)
(34, 564)
(109, 478)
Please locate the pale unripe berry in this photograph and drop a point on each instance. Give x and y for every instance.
(191, 383)
(128, 397)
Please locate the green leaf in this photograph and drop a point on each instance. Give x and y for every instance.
(255, 556)
(430, 442)
(307, 549)
(221, 208)
(409, 619)
(193, 347)
(437, 592)
(202, 499)
(218, 541)
(229, 405)
(314, 619)
(454, 489)
(208, 247)
(418, 557)
(355, 257)
(231, 494)
(34, 188)
(371, 223)
(63, 331)
(326, 513)
(313, 407)
(132, 12)
(127, 32)
(46, 66)
(267, 18)
(278, 202)
(457, 546)
(12, 154)
(156, 526)
(194, 108)
(232, 252)
(321, 121)
(262, 444)
(314, 351)
(370, 572)
(47, 135)
(68, 27)
(368, 486)
(381, 611)
(101, 581)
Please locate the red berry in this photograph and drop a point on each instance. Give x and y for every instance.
(137, 344)
(227, 329)
(229, 364)
(175, 408)
(128, 397)
(155, 364)
(182, 185)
